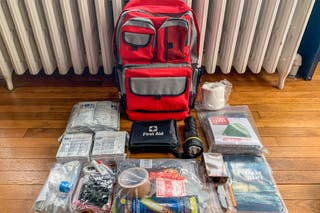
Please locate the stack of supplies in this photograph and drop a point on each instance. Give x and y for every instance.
(94, 116)
(109, 145)
(160, 185)
(75, 146)
(231, 130)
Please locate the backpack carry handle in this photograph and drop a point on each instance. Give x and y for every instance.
(153, 5)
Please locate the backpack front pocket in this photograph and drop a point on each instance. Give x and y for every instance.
(173, 39)
(137, 41)
(158, 89)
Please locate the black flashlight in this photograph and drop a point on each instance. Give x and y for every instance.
(192, 146)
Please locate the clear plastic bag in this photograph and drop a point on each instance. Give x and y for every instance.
(94, 192)
(75, 146)
(56, 193)
(160, 185)
(109, 145)
(231, 130)
(221, 198)
(253, 185)
(94, 116)
(214, 95)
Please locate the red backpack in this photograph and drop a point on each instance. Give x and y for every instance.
(156, 47)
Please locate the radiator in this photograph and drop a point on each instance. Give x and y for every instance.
(252, 35)
(56, 35)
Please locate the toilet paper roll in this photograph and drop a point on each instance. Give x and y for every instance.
(135, 181)
(213, 96)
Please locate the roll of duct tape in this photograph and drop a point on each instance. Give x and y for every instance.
(135, 181)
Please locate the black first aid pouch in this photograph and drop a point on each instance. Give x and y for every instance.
(162, 136)
(154, 136)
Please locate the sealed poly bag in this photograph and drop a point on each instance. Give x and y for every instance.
(94, 192)
(109, 145)
(56, 193)
(253, 185)
(215, 95)
(160, 185)
(231, 130)
(94, 116)
(75, 146)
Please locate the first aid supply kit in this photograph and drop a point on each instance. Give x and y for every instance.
(156, 47)
(163, 136)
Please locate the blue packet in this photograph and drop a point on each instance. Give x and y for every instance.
(185, 204)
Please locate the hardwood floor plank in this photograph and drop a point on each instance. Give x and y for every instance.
(285, 97)
(289, 131)
(34, 116)
(26, 164)
(28, 142)
(285, 107)
(21, 153)
(19, 192)
(287, 123)
(23, 178)
(33, 124)
(294, 164)
(291, 141)
(15, 206)
(296, 115)
(300, 192)
(44, 132)
(293, 152)
(292, 177)
(67, 93)
(12, 132)
(45, 101)
(14, 109)
(299, 206)
(62, 90)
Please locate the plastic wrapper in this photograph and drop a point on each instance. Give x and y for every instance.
(75, 146)
(160, 185)
(231, 130)
(222, 198)
(55, 196)
(94, 116)
(215, 95)
(215, 167)
(94, 192)
(253, 185)
(109, 145)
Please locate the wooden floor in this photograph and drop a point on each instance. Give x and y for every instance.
(35, 114)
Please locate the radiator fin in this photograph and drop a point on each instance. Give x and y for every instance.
(58, 36)
(247, 29)
(279, 34)
(41, 35)
(11, 40)
(230, 34)
(25, 35)
(73, 29)
(291, 45)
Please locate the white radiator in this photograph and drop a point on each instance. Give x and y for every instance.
(255, 34)
(60, 34)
